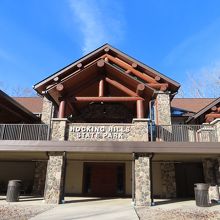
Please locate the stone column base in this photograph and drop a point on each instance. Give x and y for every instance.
(142, 180)
(55, 178)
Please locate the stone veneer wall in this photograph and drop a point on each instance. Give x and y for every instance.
(209, 171)
(162, 109)
(168, 180)
(218, 171)
(59, 129)
(105, 112)
(138, 131)
(142, 180)
(39, 178)
(216, 122)
(54, 186)
(47, 111)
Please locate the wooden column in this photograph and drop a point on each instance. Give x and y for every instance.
(140, 109)
(62, 107)
(101, 88)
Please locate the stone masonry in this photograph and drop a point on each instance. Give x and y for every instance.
(216, 122)
(47, 111)
(168, 180)
(58, 129)
(39, 178)
(54, 186)
(137, 131)
(105, 112)
(162, 109)
(211, 172)
(142, 180)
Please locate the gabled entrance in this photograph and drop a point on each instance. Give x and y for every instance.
(104, 76)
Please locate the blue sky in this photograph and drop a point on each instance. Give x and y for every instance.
(180, 39)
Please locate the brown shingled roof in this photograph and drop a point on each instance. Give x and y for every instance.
(191, 104)
(33, 104)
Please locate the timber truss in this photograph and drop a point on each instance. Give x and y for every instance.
(105, 75)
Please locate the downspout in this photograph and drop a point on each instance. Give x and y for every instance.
(152, 155)
(151, 118)
(48, 96)
(64, 178)
(133, 179)
(151, 180)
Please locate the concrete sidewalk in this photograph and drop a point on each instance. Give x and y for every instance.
(91, 208)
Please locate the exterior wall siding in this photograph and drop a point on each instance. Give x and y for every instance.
(157, 180)
(168, 180)
(39, 177)
(74, 177)
(23, 171)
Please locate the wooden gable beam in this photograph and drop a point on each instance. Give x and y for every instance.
(121, 87)
(101, 87)
(159, 86)
(106, 99)
(126, 66)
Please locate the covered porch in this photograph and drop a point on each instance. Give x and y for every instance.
(118, 169)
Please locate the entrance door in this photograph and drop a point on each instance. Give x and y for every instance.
(104, 179)
(187, 174)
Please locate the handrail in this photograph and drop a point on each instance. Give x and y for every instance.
(24, 132)
(186, 133)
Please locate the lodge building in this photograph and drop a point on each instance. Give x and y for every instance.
(108, 125)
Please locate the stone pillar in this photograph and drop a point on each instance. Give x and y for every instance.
(54, 186)
(39, 178)
(140, 129)
(216, 123)
(209, 171)
(47, 111)
(59, 129)
(142, 180)
(168, 180)
(218, 175)
(218, 171)
(162, 109)
(206, 133)
(212, 176)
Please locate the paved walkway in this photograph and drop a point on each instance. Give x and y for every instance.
(91, 208)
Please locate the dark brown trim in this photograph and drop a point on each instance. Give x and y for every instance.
(107, 99)
(111, 146)
(204, 110)
(98, 51)
(16, 108)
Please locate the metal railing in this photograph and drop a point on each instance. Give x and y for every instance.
(186, 133)
(24, 132)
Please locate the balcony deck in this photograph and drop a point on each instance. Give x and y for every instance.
(142, 132)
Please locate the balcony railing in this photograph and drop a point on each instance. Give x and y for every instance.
(24, 132)
(186, 133)
(114, 132)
